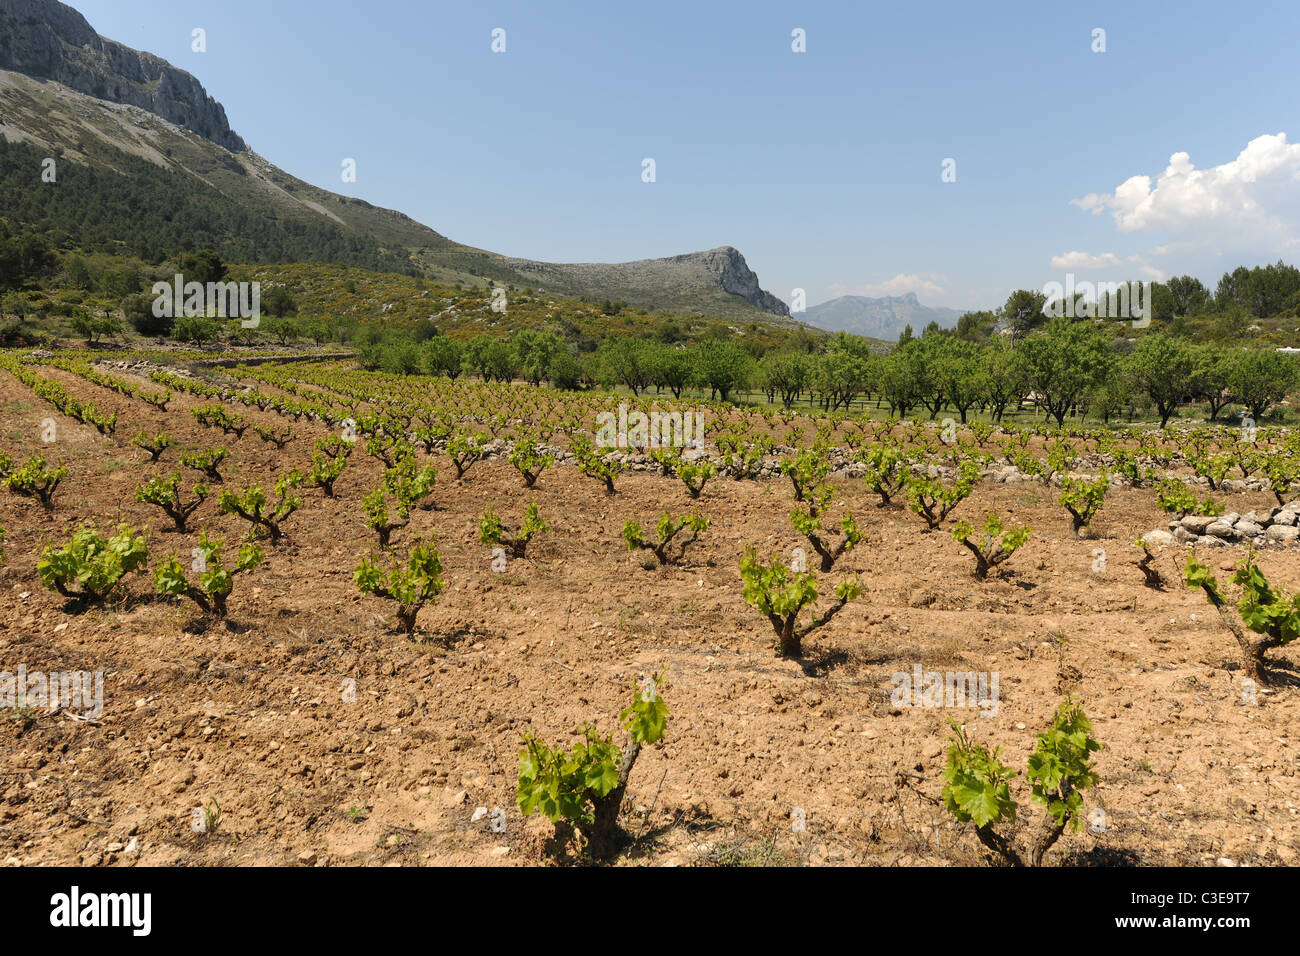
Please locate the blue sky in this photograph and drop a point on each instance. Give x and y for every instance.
(823, 168)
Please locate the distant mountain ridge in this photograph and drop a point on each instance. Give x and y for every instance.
(92, 101)
(881, 318)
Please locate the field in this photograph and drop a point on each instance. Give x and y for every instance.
(326, 735)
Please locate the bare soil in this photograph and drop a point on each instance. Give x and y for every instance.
(260, 716)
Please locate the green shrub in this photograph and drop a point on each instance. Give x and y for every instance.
(279, 437)
(265, 517)
(934, 501)
(380, 519)
(695, 474)
(387, 448)
(216, 582)
(1213, 468)
(593, 463)
(154, 444)
(807, 471)
(1273, 615)
(218, 416)
(328, 459)
(976, 785)
(1083, 499)
(584, 787)
(411, 587)
(668, 459)
(666, 531)
(165, 493)
(742, 457)
(410, 484)
(493, 532)
(32, 479)
(1177, 499)
(1151, 576)
(999, 543)
(207, 462)
(95, 563)
(781, 594)
(1282, 471)
(465, 449)
(527, 459)
(887, 473)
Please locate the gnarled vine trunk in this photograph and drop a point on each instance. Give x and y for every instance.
(606, 837)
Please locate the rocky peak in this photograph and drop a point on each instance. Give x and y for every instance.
(734, 275)
(50, 40)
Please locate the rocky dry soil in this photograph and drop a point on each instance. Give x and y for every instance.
(327, 738)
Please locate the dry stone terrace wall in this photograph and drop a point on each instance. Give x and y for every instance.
(1276, 527)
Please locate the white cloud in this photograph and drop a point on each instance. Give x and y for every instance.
(1085, 260)
(1094, 203)
(924, 284)
(1254, 198)
(1147, 271)
(1208, 220)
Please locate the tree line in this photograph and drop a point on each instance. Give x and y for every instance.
(1066, 367)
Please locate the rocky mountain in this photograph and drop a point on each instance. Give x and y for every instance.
(105, 109)
(50, 40)
(672, 281)
(882, 318)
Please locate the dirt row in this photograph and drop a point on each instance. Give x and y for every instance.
(328, 738)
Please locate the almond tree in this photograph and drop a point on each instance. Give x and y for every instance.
(1166, 368)
(1062, 363)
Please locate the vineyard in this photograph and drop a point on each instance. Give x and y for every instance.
(346, 616)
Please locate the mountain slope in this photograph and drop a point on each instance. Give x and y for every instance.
(883, 318)
(67, 93)
(51, 40)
